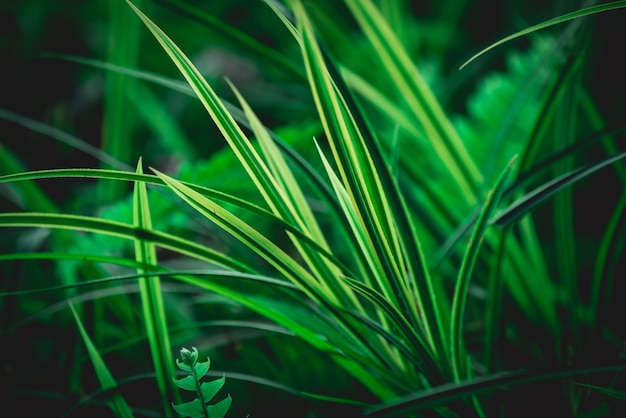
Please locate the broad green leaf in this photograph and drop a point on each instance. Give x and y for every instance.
(186, 383)
(201, 368)
(210, 389)
(193, 409)
(220, 409)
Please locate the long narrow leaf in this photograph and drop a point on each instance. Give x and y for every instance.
(152, 300)
(465, 274)
(122, 230)
(107, 381)
(535, 197)
(551, 22)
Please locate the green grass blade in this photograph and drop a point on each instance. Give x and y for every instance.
(223, 119)
(535, 197)
(608, 251)
(122, 230)
(465, 274)
(617, 394)
(445, 394)
(262, 213)
(152, 301)
(493, 311)
(250, 237)
(119, 117)
(551, 22)
(107, 381)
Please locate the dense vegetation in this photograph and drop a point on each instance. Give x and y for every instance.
(316, 197)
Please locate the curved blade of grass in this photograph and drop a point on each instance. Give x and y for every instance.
(131, 177)
(122, 230)
(152, 179)
(107, 381)
(617, 394)
(132, 380)
(223, 119)
(152, 301)
(180, 275)
(610, 244)
(446, 393)
(465, 274)
(535, 197)
(551, 22)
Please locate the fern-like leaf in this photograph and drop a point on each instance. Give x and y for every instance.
(199, 407)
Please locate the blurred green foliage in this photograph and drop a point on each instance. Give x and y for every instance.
(491, 103)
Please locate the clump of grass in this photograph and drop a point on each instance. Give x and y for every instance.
(387, 252)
